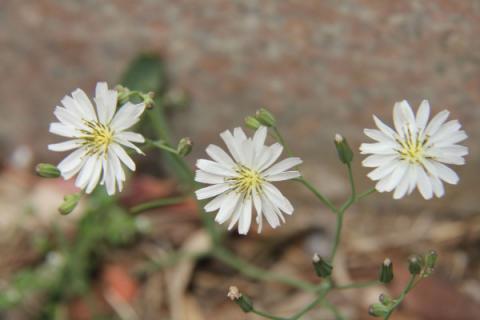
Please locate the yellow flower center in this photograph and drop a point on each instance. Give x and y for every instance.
(247, 180)
(413, 146)
(98, 138)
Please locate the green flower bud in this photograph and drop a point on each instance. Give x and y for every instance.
(377, 310)
(415, 264)
(70, 201)
(431, 259)
(252, 123)
(184, 147)
(148, 99)
(47, 170)
(243, 301)
(345, 154)
(385, 300)
(266, 118)
(386, 271)
(322, 268)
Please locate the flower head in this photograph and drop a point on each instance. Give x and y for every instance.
(98, 136)
(415, 153)
(244, 180)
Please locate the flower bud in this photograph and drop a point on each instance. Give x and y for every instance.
(431, 259)
(148, 100)
(266, 118)
(345, 154)
(415, 264)
(385, 300)
(322, 268)
(243, 301)
(386, 271)
(47, 170)
(70, 201)
(252, 123)
(184, 147)
(377, 310)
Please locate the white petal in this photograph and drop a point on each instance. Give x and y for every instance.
(108, 177)
(212, 191)
(220, 156)
(68, 118)
(259, 139)
(239, 134)
(231, 144)
(63, 130)
(131, 136)
(86, 172)
(216, 203)
(384, 170)
(396, 176)
(124, 157)
(277, 198)
(257, 202)
(215, 168)
(378, 135)
(445, 173)
(402, 186)
(95, 177)
(424, 185)
(72, 160)
(378, 148)
(117, 169)
(377, 160)
(422, 114)
(283, 165)
(437, 185)
(436, 122)
(227, 207)
(269, 212)
(268, 156)
(384, 128)
(127, 116)
(128, 144)
(84, 102)
(106, 101)
(208, 178)
(286, 175)
(245, 217)
(236, 214)
(65, 146)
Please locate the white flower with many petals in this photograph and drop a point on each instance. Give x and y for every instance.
(415, 154)
(244, 181)
(98, 136)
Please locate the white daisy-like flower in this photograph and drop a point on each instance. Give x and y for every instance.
(98, 136)
(415, 154)
(244, 181)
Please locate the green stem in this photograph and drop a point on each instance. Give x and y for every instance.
(320, 196)
(365, 193)
(338, 316)
(254, 272)
(311, 305)
(267, 315)
(156, 204)
(338, 234)
(408, 287)
(280, 139)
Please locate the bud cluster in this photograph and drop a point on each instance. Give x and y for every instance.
(262, 117)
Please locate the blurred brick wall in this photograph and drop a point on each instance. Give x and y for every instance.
(322, 66)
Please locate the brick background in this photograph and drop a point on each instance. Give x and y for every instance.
(322, 66)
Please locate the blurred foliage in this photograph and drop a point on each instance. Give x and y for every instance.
(67, 272)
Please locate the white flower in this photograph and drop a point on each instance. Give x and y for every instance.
(244, 181)
(416, 153)
(98, 137)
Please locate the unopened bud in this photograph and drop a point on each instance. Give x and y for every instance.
(386, 271)
(70, 201)
(322, 268)
(345, 154)
(415, 264)
(377, 310)
(266, 118)
(431, 259)
(252, 123)
(243, 301)
(47, 170)
(385, 300)
(148, 100)
(184, 147)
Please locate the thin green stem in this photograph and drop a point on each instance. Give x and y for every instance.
(267, 315)
(312, 304)
(408, 287)
(338, 234)
(320, 196)
(365, 193)
(156, 204)
(163, 145)
(336, 313)
(255, 272)
(280, 139)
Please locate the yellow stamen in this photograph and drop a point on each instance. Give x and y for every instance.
(413, 147)
(247, 180)
(97, 138)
